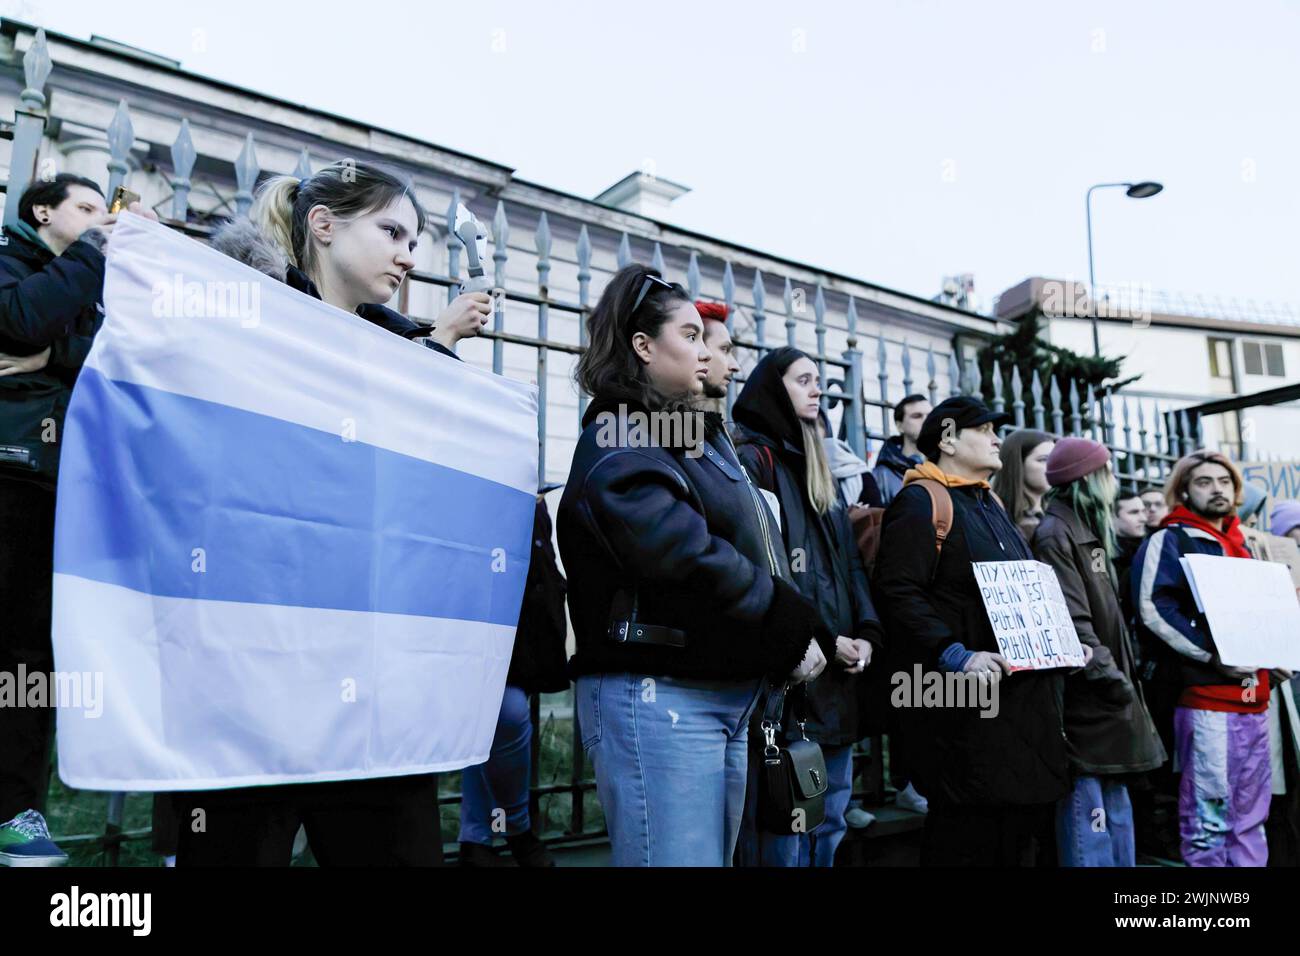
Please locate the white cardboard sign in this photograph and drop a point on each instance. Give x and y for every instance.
(1030, 618)
(1251, 608)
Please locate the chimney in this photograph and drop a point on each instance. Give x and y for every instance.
(643, 194)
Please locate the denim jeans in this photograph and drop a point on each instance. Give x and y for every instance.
(670, 761)
(495, 794)
(1094, 824)
(760, 848)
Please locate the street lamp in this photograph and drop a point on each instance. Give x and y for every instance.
(1142, 190)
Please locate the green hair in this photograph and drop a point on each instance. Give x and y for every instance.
(1092, 499)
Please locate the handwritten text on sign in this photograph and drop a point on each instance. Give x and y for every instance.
(1030, 618)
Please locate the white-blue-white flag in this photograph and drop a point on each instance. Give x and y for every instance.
(293, 543)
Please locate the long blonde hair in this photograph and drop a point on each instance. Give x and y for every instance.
(821, 483)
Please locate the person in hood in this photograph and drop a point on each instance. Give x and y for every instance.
(51, 285)
(991, 774)
(857, 485)
(344, 235)
(779, 438)
(899, 453)
(1108, 731)
(1221, 719)
(679, 586)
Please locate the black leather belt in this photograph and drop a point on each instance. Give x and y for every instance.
(634, 632)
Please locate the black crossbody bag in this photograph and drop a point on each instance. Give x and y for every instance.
(792, 780)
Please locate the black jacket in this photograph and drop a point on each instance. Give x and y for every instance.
(683, 535)
(538, 662)
(891, 465)
(45, 301)
(957, 756)
(825, 563)
(1106, 721)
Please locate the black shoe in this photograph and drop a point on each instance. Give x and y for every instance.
(528, 850)
(478, 854)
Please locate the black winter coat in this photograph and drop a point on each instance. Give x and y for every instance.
(538, 663)
(692, 541)
(957, 756)
(45, 301)
(825, 565)
(1107, 725)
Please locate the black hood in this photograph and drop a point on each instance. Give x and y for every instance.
(763, 405)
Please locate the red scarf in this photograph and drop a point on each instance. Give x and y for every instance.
(1220, 696)
(1230, 537)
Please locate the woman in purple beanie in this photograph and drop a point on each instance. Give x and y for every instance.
(1109, 732)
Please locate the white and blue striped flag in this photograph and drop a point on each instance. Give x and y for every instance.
(293, 543)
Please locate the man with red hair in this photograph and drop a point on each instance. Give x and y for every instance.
(717, 339)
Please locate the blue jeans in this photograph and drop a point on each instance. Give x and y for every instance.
(760, 848)
(670, 760)
(1094, 824)
(495, 794)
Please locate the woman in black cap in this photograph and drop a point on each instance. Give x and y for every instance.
(992, 774)
(779, 439)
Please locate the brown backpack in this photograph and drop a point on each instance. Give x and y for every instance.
(866, 521)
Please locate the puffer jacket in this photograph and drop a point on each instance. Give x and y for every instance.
(891, 466)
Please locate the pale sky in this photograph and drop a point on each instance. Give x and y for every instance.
(893, 141)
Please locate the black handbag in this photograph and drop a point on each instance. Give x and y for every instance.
(792, 779)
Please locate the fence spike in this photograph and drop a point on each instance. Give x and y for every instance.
(303, 169)
(693, 275)
(36, 70)
(183, 158)
(121, 135)
(246, 171)
(624, 252)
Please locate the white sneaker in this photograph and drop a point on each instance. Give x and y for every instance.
(858, 818)
(909, 799)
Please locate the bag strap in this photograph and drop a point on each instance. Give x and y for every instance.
(940, 508)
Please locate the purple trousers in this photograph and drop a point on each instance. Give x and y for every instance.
(1225, 787)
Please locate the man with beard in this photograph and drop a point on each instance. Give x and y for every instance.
(717, 340)
(1221, 720)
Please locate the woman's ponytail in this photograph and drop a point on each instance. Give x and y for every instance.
(272, 213)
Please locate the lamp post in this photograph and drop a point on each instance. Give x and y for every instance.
(1142, 190)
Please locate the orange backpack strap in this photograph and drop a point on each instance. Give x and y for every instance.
(940, 508)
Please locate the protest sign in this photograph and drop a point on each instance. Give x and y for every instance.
(1251, 608)
(1030, 618)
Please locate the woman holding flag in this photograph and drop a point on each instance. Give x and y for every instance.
(344, 235)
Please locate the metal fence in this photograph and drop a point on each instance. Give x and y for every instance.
(863, 410)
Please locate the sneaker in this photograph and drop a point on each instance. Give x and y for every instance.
(25, 841)
(859, 818)
(528, 850)
(909, 799)
(478, 855)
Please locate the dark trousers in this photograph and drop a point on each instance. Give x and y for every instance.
(988, 836)
(391, 821)
(26, 567)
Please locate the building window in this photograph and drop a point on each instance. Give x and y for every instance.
(1221, 359)
(1263, 358)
